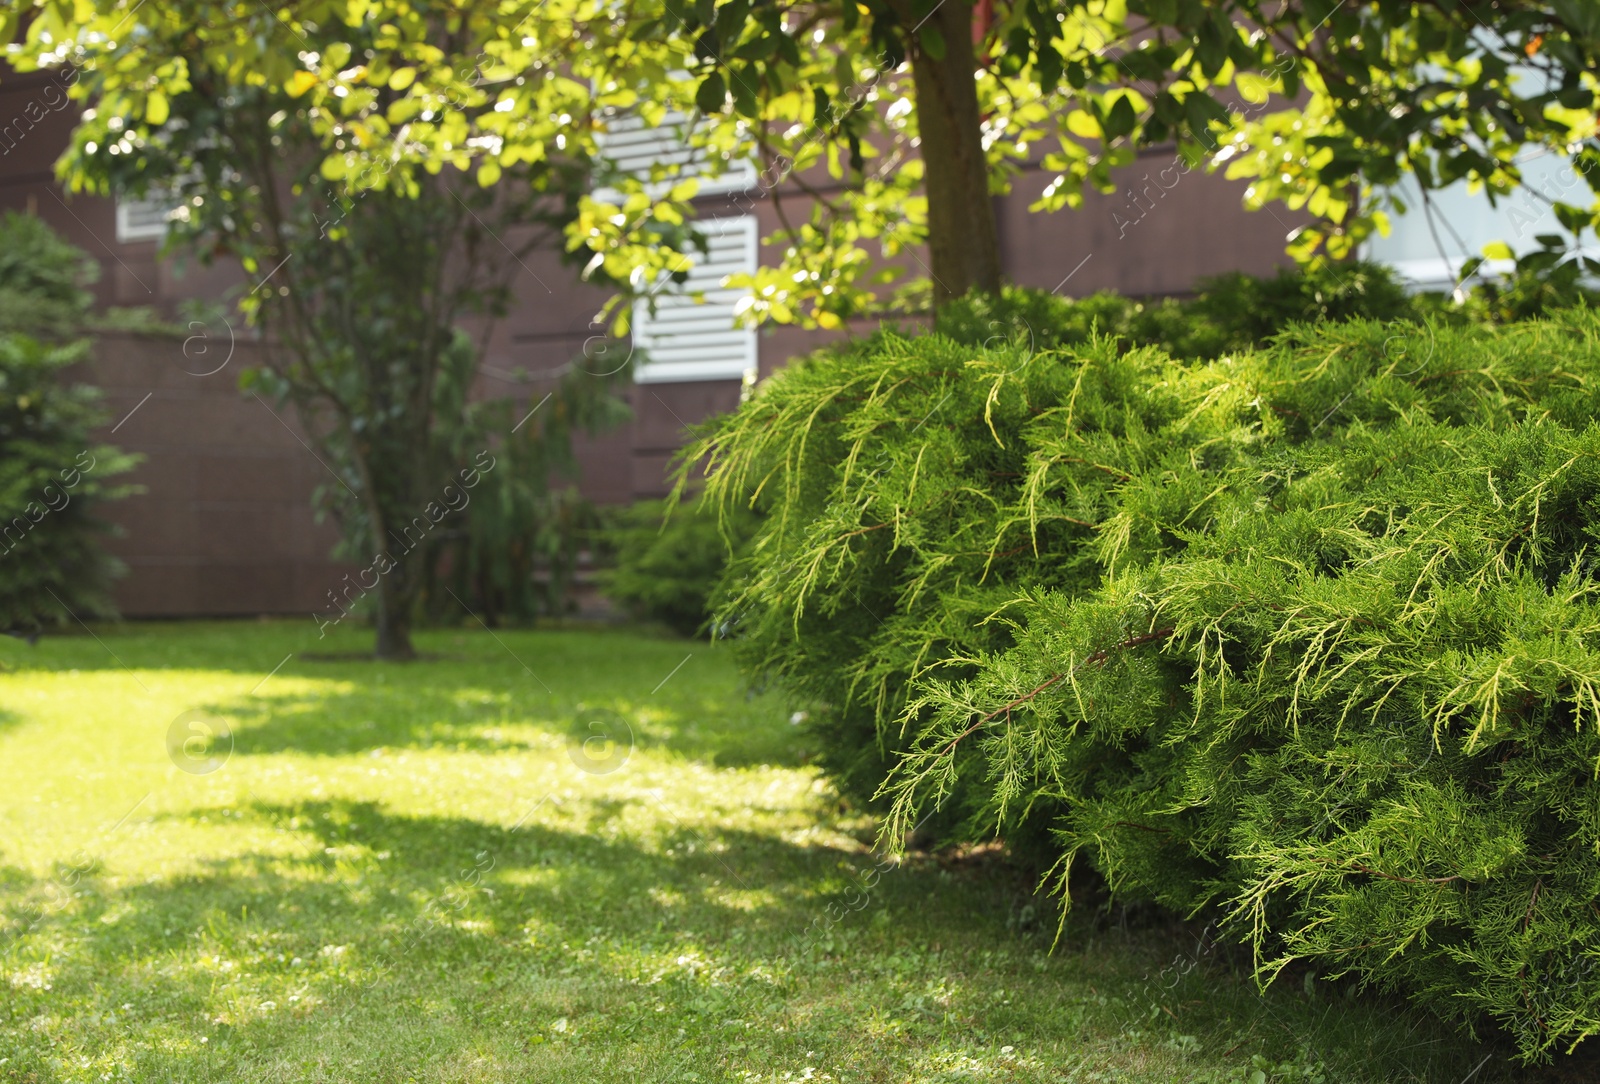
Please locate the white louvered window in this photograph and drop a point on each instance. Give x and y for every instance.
(634, 149)
(142, 219)
(690, 339)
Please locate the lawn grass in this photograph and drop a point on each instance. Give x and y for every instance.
(406, 873)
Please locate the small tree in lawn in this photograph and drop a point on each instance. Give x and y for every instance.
(364, 342)
(359, 288)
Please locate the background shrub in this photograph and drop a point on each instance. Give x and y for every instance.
(44, 281)
(512, 553)
(52, 566)
(1229, 313)
(670, 560)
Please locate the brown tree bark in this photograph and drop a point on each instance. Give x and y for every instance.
(963, 240)
(392, 622)
(397, 580)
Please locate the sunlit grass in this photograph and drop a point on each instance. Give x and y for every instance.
(403, 873)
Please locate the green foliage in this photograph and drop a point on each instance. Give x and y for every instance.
(1236, 311)
(512, 551)
(1324, 107)
(52, 566)
(44, 280)
(1229, 312)
(1545, 278)
(670, 560)
(369, 287)
(1104, 601)
(855, 441)
(896, 518)
(1358, 709)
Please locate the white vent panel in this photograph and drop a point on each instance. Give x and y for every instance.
(634, 148)
(143, 219)
(689, 339)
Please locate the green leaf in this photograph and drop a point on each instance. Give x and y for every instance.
(759, 47)
(678, 13)
(1211, 48)
(1199, 109)
(744, 83)
(712, 95)
(1050, 68)
(1498, 250)
(707, 47)
(1576, 219)
(1291, 80)
(1582, 15)
(1121, 119)
(1167, 108)
(819, 107)
(788, 50)
(932, 41)
(1083, 125)
(730, 20)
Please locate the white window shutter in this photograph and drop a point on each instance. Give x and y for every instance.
(633, 148)
(686, 339)
(142, 219)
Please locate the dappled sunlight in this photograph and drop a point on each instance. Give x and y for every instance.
(419, 866)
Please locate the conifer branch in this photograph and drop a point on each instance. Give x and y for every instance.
(1095, 659)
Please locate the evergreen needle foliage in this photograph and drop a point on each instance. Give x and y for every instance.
(52, 474)
(52, 566)
(1305, 635)
(1360, 711)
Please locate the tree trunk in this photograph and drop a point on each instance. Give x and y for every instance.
(397, 584)
(396, 592)
(963, 241)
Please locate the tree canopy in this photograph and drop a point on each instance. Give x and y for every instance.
(876, 124)
(363, 289)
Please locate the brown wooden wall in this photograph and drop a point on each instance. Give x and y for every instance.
(224, 525)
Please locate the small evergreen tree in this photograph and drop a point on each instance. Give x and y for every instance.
(52, 566)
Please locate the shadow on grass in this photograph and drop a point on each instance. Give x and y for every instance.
(477, 696)
(646, 949)
(255, 646)
(446, 709)
(465, 936)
